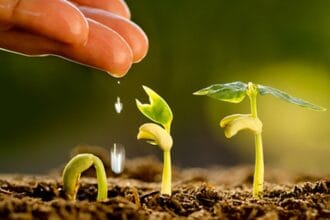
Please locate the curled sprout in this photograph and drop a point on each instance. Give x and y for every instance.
(235, 92)
(74, 168)
(156, 135)
(237, 122)
(159, 112)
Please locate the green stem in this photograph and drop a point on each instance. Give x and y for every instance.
(167, 174)
(253, 104)
(258, 180)
(102, 187)
(73, 170)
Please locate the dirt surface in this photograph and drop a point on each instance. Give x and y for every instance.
(214, 193)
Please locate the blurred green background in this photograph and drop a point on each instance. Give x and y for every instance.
(49, 105)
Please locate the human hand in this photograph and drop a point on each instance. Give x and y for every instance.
(96, 33)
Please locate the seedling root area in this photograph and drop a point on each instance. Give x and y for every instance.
(214, 193)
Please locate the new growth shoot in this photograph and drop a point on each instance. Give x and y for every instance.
(158, 134)
(73, 170)
(235, 92)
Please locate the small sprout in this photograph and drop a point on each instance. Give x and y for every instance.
(73, 170)
(235, 92)
(159, 112)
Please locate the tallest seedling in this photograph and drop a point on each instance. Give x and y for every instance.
(235, 92)
(158, 133)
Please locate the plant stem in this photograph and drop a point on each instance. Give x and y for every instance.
(73, 170)
(102, 185)
(167, 174)
(258, 180)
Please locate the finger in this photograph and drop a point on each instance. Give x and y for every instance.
(4, 26)
(133, 34)
(7, 8)
(27, 43)
(56, 19)
(118, 7)
(105, 49)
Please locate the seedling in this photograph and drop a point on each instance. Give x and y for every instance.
(73, 170)
(159, 112)
(235, 92)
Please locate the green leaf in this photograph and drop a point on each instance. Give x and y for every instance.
(158, 110)
(263, 90)
(233, 92)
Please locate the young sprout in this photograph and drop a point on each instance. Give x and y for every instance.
(73, 170)
(159, 112)
(235, 92)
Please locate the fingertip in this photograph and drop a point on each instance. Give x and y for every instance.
(105, 50)
(113, 53)
(76, 22)
(139, 43)
(119, 7)
(118, 75)
(132, 33)
(142, 49)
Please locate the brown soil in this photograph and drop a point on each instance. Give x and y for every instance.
(214, 193)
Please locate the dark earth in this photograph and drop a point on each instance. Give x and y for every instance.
(213, 193)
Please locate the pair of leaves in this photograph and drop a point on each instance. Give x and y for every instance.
(157, 110)
(235, 92)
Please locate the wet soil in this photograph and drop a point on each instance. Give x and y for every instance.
(214, 193)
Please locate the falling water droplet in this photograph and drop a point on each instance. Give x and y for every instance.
(117, 158)
(118, 82)
(118, 105)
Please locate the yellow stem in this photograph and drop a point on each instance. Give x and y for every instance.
(258, 180)
(167, 174)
